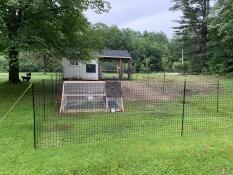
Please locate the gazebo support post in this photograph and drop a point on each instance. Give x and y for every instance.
(121, 70)
(129, 69)
(99, 70)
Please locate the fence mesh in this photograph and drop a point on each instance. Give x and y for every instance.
(84, 112)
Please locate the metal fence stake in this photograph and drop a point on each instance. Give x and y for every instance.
(34, 116)
(218, 88)
(52, 90)
(56, 84)
(148, 72)
(164, 79)
(183, 110)
(44, 97)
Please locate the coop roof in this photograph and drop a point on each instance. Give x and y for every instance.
(113, 89)
(121, 54)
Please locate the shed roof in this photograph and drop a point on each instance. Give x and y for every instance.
(115, 54)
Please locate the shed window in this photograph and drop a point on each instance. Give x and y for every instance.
(91, 68)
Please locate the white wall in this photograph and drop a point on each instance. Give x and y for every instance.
(79, 71)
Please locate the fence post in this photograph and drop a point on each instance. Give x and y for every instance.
(183, 110)
(164, 79)
(148, 77)
(56, 85)
(218, 88)
(52, 89)
(148, 72)
(44, 97)
(34, 117)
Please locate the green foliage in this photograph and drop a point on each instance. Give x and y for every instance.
(221, 38)
(195, 24)
(193, 30)
(39, 62)
(141, 45)
(179, 67)
(174, 53)
(3, 64)
(48, 26)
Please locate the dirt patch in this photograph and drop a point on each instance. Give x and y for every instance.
(165, 91)
(140, 90)
(192, 88)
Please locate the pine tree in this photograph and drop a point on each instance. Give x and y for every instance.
(193, 26)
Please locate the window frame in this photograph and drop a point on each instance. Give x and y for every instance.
(91, 70)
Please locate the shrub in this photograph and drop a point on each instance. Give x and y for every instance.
(179, 67)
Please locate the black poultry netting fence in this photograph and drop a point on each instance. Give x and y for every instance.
(75, 112)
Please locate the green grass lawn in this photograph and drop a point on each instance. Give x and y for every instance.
(141, 119)
(202, 154)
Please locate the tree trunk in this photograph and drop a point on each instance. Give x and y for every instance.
(203, 51)
(13, 23)
(13, 66)
(204, 34)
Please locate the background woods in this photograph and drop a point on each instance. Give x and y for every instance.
(204, 37)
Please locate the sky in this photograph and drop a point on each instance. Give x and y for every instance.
(140, 15)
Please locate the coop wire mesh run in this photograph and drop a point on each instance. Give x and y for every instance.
(91, 96)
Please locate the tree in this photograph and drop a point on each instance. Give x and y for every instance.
(193, 25)
(221, 38)
(50, 25)
(175, 47)
(110, 36)
(156, 49)
(141, 45)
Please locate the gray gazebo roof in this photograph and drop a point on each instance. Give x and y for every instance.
(123, 54)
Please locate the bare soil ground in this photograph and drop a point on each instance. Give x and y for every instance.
(141, 90)
(163, 91)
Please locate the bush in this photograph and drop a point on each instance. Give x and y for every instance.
(30, 67)
(229, 75)
(3, 64)
(179, 67)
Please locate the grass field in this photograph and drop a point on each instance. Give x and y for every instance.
(207, 154)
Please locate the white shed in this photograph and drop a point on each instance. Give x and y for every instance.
(73, 69)
(77, 70)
